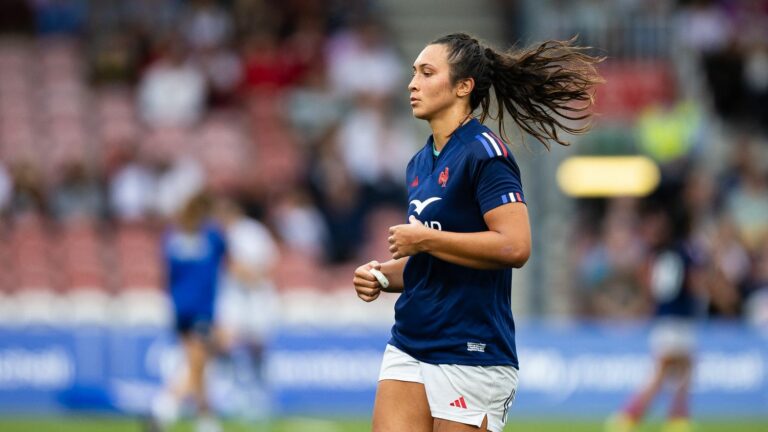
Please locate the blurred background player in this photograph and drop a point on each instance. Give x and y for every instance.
(680, 283)
(247, 305)
(194, 251)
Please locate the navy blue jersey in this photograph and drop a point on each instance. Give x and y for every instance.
(447, 313)
(671, 284)
(193, 262)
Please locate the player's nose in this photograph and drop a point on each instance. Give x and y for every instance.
(412, 85)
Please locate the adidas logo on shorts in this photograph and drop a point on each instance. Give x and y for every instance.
(459, 403)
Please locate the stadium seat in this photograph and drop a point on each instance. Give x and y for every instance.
(296, 271)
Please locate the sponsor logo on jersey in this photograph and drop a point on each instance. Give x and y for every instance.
(421, 205)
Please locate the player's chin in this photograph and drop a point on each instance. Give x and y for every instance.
(420, 114)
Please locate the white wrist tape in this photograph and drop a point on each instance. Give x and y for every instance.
(383, 281)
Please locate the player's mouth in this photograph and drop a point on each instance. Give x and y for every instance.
(414, 100)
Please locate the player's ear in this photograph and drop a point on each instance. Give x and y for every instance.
(464, 87)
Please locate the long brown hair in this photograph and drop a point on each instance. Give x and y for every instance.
(194, 212)
(540, 86)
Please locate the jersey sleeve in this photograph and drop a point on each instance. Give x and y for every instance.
(495, 173)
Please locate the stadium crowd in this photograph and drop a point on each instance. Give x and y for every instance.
(119, 112)
(114, 113)
(706, 131)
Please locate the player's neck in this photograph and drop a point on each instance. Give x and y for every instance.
(445, 125)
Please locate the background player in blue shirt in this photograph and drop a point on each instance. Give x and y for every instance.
(451, 363)
(194, 250)
(680, 282)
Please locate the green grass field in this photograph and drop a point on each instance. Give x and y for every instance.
(78, 424)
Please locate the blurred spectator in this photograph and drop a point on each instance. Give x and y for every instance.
(340, 199)
(608, 269)
(29, 195)
(698, 199)
(268, 66)
(206, 25)
(299, 224)
(6, 189)
(703, 27)
(724, 71)
(60, 16)
(223, 71)
(362, 63)
(375, 144)
(131, 188)
(730, 40)
(256, 14)
(747, 206)
(177, 182)
(114, 57)
(149, 16)
(313, 108)
(172, 91)
(670, 133)
(307, 43)
(78, 194)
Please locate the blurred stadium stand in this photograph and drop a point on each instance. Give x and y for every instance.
(111, 112)
(268, 107)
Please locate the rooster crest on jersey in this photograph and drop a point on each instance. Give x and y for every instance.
(442, 180)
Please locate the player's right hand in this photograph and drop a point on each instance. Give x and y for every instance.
(366, 284)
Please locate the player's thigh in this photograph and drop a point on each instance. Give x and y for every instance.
(442, 425)
(401, 406)
(679, 366)
(477, 397)
(196, 351)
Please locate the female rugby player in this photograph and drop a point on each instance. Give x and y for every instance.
(451, 363)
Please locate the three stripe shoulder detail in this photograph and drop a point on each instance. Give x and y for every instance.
(492, 144)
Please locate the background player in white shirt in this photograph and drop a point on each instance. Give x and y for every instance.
(248, 304)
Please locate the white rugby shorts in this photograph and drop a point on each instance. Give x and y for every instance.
(459, 393)
(673, 336)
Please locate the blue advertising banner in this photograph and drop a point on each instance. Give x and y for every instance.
(591, 369)
(570, 370)
(567, 370)
(48, 369)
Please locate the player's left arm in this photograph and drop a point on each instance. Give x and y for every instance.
(711, 283)
(507, 243)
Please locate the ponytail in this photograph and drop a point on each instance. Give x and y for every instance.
(541, 87)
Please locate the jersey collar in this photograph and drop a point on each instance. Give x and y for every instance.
(468, 130)
(465, 132)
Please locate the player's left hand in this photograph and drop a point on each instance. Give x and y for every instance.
(405, 239)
